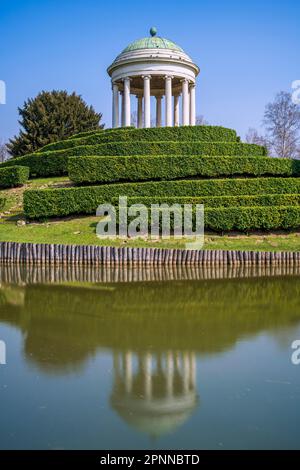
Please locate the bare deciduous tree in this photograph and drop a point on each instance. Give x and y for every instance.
(133, 118)
(4, 155)
(253, 137)
(200, 121)
(282, 122)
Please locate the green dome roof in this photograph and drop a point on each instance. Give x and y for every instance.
(154, 42)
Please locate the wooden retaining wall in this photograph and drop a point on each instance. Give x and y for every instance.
(50, 254)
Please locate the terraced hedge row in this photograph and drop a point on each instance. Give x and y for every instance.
(177, 134)
(88, 133)
(252, 218)
(139, 168)
(155, 166)
(55, 163)
(282, 200)
(85, 199)
(233, 218)
(13, 176)
(166, 148)
(40, 166)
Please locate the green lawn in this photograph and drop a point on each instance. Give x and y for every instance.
(81, 230)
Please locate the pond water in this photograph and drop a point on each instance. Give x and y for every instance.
(130, 359)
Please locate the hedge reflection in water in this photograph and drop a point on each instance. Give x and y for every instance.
(205, 316)
(153, 330)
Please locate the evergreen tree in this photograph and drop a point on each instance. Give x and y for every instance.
(50, 117)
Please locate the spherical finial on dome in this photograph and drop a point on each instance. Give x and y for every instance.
(153, 31)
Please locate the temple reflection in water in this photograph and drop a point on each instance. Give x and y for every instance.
(154, 392)
(154, 331)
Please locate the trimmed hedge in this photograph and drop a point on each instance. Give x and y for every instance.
(56, 163)
(111, 169)
(234, 218)
(46, 165)
(85, 200)
(252, 218)
(175, 134)
(13, 176)
(164, 148)
(88, 133)
(283, 200)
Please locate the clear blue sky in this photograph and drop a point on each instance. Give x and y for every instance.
(247, 51)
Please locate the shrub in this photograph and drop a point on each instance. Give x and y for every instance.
(175, 134)
(49, 167)
(111, 169)
(13, 176)
(85, 200)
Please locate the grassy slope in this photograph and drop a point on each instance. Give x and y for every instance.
(81, 230)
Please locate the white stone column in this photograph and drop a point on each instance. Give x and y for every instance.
(115, 105)
(176, 110)
(185, 372)
(193, 370)
(158, 111)
(146, 364)
(140, 112)
(185, 103)
(147, 106)
(168, 92)
(192, 105)
(177, 361)
(170, 374)
(122, 110)
(128, 371)
(127, 115)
